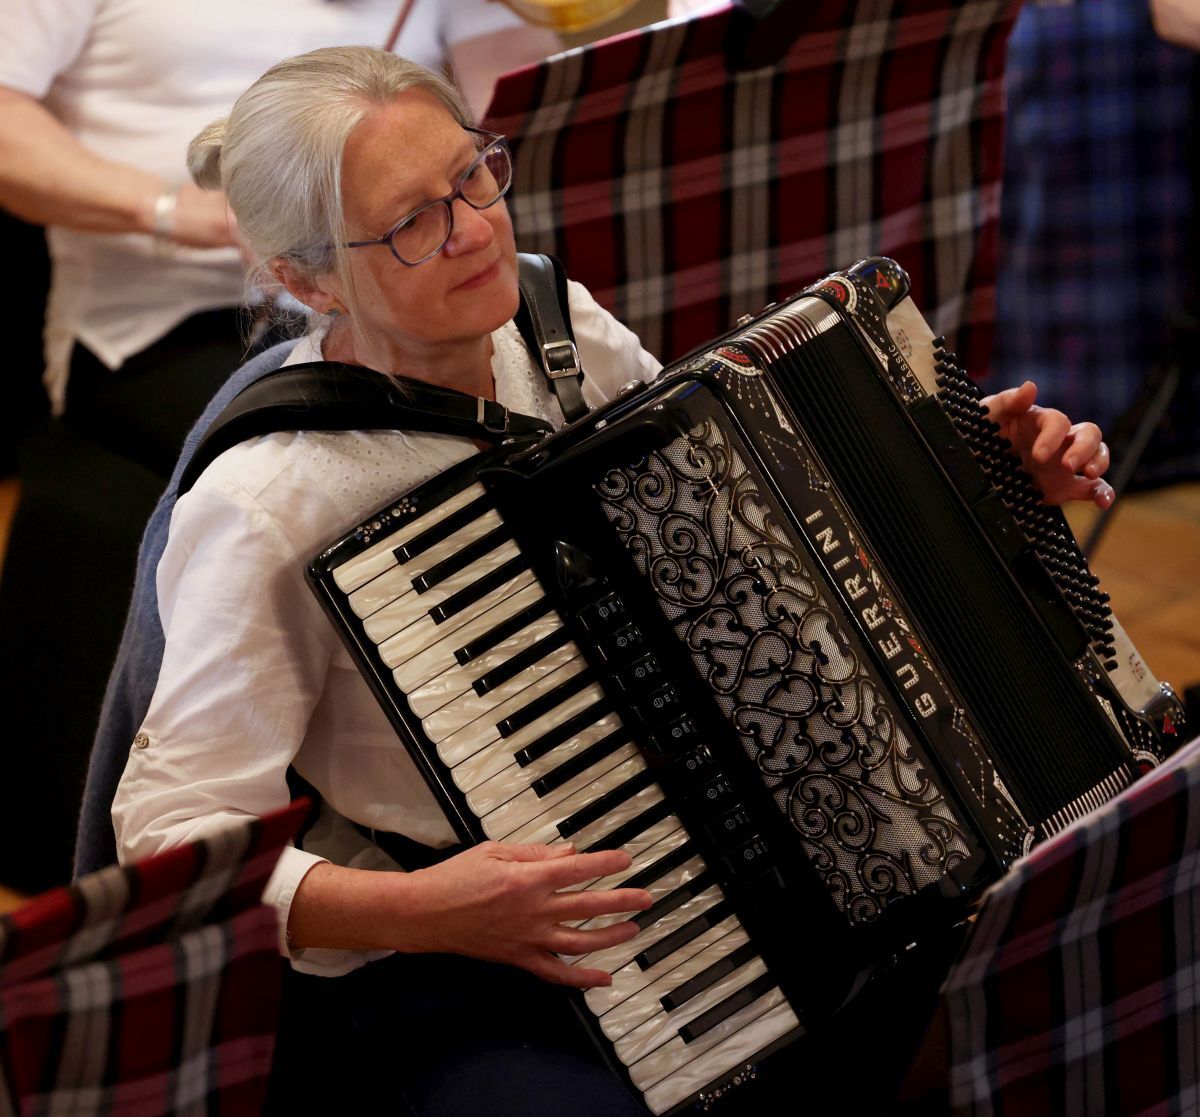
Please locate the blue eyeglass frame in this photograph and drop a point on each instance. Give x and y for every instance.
(494, 139)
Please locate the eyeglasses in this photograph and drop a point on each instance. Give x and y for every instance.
(423, 233)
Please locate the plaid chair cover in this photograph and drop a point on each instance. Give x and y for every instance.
(150, 989)
(1079, 989)
(685, 195)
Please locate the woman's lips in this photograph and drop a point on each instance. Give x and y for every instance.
(480, 277)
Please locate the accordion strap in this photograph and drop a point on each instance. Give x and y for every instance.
(326, 395)
(544, 322)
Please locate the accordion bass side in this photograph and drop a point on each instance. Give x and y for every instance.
(792, 627)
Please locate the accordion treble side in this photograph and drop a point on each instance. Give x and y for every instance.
(792, 627)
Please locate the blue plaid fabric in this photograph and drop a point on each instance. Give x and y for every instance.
(1095, 209)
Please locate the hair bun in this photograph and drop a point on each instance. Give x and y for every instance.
(204, 156)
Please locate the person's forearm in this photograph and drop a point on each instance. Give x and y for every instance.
(352, 909)
(504, 903)
(48, 177)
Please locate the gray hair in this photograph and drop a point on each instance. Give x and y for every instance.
(278, 155)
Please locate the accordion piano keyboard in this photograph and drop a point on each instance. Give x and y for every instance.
(529, 737)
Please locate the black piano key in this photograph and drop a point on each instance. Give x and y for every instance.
(598, 808)
(580, 762)
(502, 631)
(463, 558)
(706, 1021)
(562, 732)
(680, 937)
(627, 831)
(465, 598)
(677, 897)
(443, 529)
(643, 878)
(526, 658)
(710, 975)
(543, 705)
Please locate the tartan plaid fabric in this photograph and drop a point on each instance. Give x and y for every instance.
(1097, 210)
(685, 195)
(149, 989)
(1079, 989)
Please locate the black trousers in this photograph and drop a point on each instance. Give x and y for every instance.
(437, 1036)
(89, 482)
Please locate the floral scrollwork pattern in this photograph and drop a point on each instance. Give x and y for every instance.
(737, 588)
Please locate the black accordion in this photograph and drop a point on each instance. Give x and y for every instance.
(792, 627)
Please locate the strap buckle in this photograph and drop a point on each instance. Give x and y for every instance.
(481, 416)
(560, 359)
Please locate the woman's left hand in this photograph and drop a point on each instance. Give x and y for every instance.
(1065, 459)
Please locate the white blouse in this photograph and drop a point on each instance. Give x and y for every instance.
(255, 679)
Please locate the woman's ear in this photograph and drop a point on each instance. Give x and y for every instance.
(316, 293)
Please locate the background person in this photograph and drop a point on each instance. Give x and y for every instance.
(146, 317)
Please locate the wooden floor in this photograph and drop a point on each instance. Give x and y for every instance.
(1147, 560)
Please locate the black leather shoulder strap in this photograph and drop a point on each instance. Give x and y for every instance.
(545, 323)
(325, 395)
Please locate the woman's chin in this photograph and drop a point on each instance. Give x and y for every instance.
(496, 302)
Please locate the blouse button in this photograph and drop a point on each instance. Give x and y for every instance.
(141, 741)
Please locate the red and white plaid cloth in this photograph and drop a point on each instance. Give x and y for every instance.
(685, 195)
(1079, 988)
(150, 989)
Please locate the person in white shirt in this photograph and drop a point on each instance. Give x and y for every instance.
(146, 315)
(360, 182)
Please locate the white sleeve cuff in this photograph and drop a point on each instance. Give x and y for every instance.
(291, 869)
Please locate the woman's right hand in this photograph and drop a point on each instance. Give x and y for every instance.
(505, 903)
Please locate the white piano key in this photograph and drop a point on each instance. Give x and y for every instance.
(397, 580)
(645, 857)
(513, 810)
(378, 557)
(732, 1048)
(527, 814)
(425, 648)
(545, 829)
(668, 882)
(499, 784)
(647, 797)
(615, 957)
(631, 977)
(662, 1027)
(457, 680)
(382, 590)
(488, 763)
(412, 606)
(483, 732)
(525, 685)
(672, 1057)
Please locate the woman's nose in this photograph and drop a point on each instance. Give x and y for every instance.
(472, 229)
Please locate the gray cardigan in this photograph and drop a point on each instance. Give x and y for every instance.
(139, 658)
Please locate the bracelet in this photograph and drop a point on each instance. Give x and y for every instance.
(164, 212)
